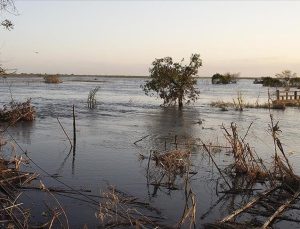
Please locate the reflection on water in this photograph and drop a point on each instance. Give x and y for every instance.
(22, 131)
(105, 137)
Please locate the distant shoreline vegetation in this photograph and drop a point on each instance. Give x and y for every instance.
(284, 79)
(275, 82)
(103, 76)
(39, 75)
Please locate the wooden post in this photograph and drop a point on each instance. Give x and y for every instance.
(277, 94)
(295, 95)
(74, 130)
(287, 95)
(176, 141)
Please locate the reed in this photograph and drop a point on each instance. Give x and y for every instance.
(91, 101)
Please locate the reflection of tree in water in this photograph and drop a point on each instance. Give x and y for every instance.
(164, 124)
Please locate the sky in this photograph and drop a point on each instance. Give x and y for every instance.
(254, 38)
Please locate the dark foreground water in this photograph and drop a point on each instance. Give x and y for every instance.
(105, 153)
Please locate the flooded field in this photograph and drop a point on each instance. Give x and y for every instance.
(106, 153)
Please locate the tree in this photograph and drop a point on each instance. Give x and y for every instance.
(227, 78)
(7, 6)
(173, 82)
(286, 76)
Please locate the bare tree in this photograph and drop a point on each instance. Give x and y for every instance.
(286, 76)
(7, 6)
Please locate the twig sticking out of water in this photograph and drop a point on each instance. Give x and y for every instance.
(189, 211)
(65, 132)
(209, 153)
(239, 102)
(141, 139)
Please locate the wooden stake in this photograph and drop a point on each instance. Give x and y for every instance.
(74, 130)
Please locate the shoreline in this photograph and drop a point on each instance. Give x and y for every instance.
(102, 76)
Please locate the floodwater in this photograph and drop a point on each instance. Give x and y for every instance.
(105, 153)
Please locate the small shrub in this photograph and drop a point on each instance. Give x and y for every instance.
(16, 111)
(226, 78)
(52, 79)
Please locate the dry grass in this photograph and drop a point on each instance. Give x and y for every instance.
(12, 181)
(168, 167)
(52, 79)
(225, 105)
(16, 111)
(11, 178)
(174, 162)
(119, 210)
(246, 160)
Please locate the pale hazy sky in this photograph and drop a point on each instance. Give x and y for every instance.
(254, 38)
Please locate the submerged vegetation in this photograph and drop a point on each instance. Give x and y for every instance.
(255, 189)
(119, 210)
(285, 79)
(91, 101)
(174, 82)
(173, 166)
(17, 207)
(281, 184)
(242, 105)
(17, 111)
(227, 78)
(55, 79)
(247, 180)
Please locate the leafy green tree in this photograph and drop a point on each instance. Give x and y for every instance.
(172, 81)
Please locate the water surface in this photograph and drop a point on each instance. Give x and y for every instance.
(105, 153)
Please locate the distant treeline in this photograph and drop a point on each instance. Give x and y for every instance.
(278, 82)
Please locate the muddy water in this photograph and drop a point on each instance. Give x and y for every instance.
(105, 153)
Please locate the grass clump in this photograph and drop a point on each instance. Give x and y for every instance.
(55, 79)
(91, 101)
(17, 111)
(226, 105)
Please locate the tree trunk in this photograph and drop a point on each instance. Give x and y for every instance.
(180, 104)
